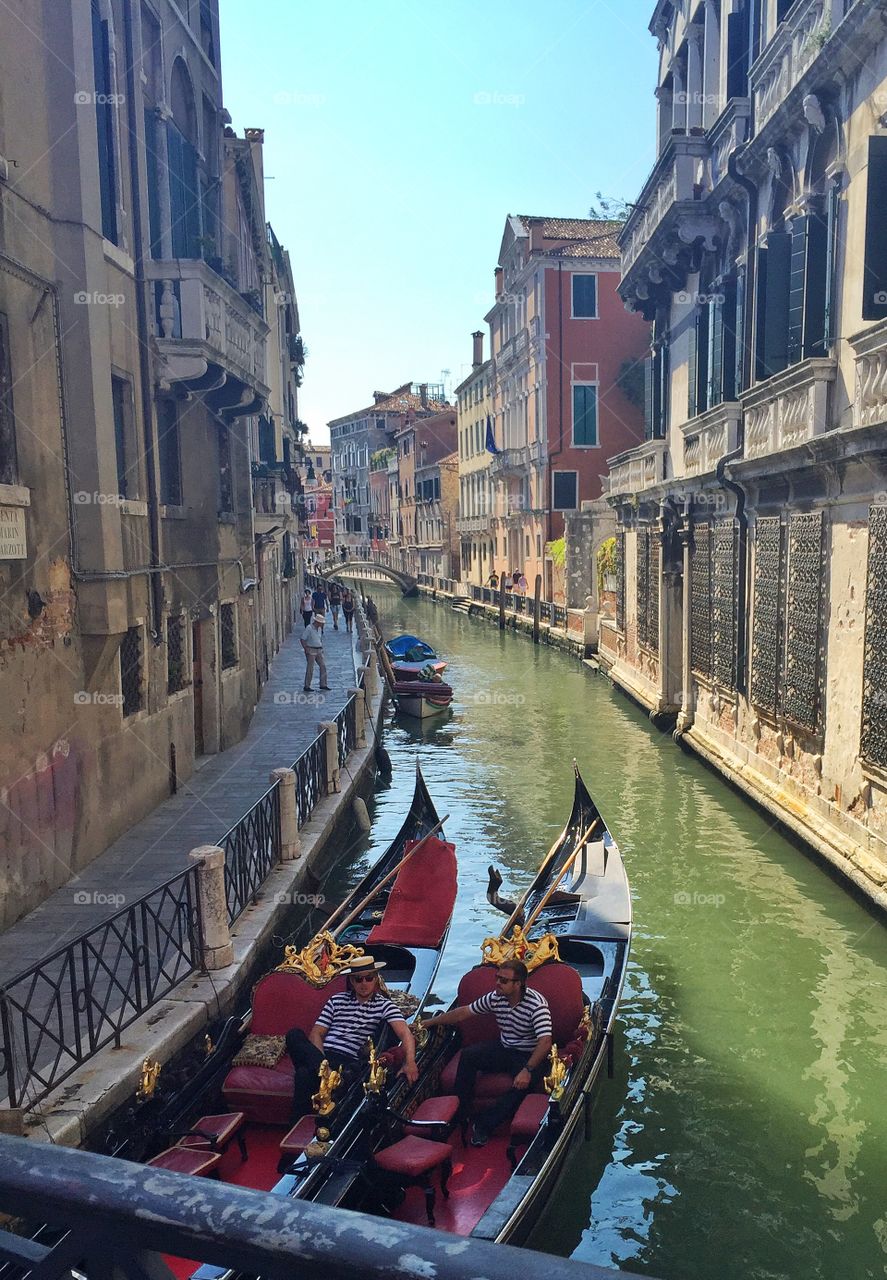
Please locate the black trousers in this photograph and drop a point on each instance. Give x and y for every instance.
(306, 1059)
(493, 1055)
(307, 615)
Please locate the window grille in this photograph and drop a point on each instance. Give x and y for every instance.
(228, 632)
(131, 671)
(176, 654)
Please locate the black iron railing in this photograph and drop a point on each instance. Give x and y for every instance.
(64, 1009)
(559, 616)
(252, 847)
(107, 1216)
(311, 779)
(346, 729)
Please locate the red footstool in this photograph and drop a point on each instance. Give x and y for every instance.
(438, 1112)
(215, 1132)
(525, 1125)
(411, 1160)
(194, 1160)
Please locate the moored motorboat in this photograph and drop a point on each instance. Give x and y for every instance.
(409, 657)
(422, 698)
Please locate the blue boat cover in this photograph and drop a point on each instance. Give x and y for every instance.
(400, 646)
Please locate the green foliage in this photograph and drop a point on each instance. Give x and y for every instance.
(606, 561)
(557, 550)
(609, 208)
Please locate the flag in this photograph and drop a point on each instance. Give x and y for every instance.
(491, 443)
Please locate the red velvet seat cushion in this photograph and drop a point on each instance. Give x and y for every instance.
(442, 1110)
(528, 1117)
(421, 900)
(263, 1094)
(413, 1156)
(302, 1133)
(190, 1160)
(488, 1084)
(222, 1128)
(562, 988)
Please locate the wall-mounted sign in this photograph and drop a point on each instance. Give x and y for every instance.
(13, 542)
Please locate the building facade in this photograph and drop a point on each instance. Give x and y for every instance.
(474, 407)
(752, 522)
(564, 355)
(319, 534)
(133, 368)
(437, 507)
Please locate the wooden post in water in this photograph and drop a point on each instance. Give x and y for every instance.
(537, 596)
(502, 602)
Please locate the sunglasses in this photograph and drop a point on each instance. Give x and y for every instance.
(363, 977)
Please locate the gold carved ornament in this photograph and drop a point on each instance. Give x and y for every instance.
(320, 961)
(420, 1034)
(378, 1072)
(150, 1074)
(323, 1101)
(518, 947)
(554, 1081)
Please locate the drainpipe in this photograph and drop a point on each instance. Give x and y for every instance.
(145, 371)
(560, 385)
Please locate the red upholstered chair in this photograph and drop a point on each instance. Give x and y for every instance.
(213, 1133)
(525, 1124)
(281, 1001)
(440, 1112)
(411, 1161)
(194, 1160)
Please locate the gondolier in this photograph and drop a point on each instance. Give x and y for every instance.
(312, 643)
(524, 1021)
(342, 1029)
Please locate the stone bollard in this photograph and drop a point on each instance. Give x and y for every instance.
(330, 728)
(290, 844)
(371, 677)
(216, 946)
(360, 733)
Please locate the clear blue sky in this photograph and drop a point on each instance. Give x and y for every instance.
(397, 139)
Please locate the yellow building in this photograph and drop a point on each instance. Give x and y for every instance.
(474, 406)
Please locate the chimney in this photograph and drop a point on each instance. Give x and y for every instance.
(500, 282)
(379, 395)
(477, 358)
(535, 228)
(423, 394)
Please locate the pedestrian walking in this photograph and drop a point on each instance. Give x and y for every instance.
(312, 643)
(493, 581)
(319, 601)
(522, 584)
(335, 603)
(306, 607)
(348, 609)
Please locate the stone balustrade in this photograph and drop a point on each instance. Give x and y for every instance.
(637, 469)
(789, 408)
(709, 436)
(729, 131)
(671, 185)
(797, 43)
(870, 399)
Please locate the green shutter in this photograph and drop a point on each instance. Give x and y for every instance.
(649, 421)
(715, 350)
(702, 354)
(692, 366)
(738, 338)
(727, 308)
(104, 118)
(831, 240)
(800, 233)
(774, 350)
(816, 285)
(874, 286)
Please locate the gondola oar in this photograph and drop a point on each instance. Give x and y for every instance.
(546, 862)
(549, 893)
(374, 892)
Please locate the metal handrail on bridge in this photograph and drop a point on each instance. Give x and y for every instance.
(112, 1216)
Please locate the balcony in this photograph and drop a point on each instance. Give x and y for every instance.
(637, 469)
(272, 502)
(472, 524)
(870, 400)
(788, 409)
(516, 461)
(210, 339)
(513, 349)
(728, 132)
(709, 436)
(668, 214)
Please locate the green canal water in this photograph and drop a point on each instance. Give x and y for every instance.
(744, 1135)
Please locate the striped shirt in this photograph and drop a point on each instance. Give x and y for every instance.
(520, 1026)
(351, 1022)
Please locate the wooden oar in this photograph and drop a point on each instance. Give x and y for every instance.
(546, 861)
(374, 892)
(563, 871)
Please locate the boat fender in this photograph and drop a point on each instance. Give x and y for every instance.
(383, 761)
(361, 813)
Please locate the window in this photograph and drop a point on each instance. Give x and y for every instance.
(228, 635)
(131, 671)
(206, 31)
(168, 442)
(584, 297)
(585, 415)
(737, 52)
(176, 654)
(564, 486)
(104, 113)
(8, 462)
(267, 444)
(774, 273)
(121, 397)
(874, 297)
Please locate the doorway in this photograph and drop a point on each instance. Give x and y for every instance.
(197, 684)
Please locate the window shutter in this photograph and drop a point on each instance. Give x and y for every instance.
(816, 287)
(153, 166)
(649, 429)
(104, 117)
(874, 288)
(738, 342)
(775, 304)
(728, 322)
(737, 54)
(662, 392)
(184, 197)
(831, 240)
(715, 351)
(702, 354)
(800, 234)
(692, 367)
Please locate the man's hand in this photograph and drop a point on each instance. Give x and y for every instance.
(411, 1071)
(522, 1079)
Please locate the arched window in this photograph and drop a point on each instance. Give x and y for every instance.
(184, 188)
(105, 99)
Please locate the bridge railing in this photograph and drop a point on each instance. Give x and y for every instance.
(105, 1216)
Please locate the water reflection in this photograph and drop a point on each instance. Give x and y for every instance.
(744, 1134)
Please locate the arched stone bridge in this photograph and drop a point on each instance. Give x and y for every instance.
(368, 569)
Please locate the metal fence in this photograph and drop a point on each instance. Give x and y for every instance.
(64, 1009)
(554, 614)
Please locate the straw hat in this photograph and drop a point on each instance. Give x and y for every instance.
(360, 964)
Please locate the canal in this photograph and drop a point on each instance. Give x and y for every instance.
(744, 1135)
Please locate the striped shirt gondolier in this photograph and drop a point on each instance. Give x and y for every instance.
(520, 1026)
(351, 1022)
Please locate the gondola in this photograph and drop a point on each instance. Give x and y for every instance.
(400, 912)
(575, 939)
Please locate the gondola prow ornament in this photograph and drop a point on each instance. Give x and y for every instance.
(323, 1101)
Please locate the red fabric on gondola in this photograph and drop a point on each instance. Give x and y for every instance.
(191, 1160)
(413, 1156)
(488, 1085)
(562, 988)
(529, 1116)
(421, 900)
(425, 688)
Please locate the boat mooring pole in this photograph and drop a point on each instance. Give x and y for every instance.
(502, 603)
(537, 596)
